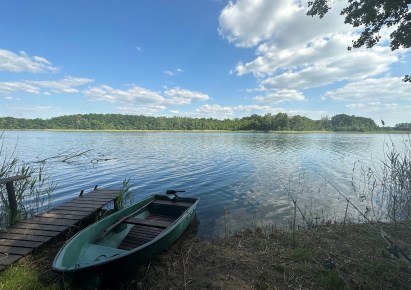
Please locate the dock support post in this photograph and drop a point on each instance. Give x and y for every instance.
(11, 196)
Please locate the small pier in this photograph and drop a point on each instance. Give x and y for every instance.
(25, 237)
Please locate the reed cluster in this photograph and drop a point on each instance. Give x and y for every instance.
(33, 194)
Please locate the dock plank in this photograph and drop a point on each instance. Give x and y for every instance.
(80, 205)
(52, 221)
(20, 244)
(33, 232)
(29, 226)
(64, 216)
(15, 250)
(75, 208)
(80, 213)
(23, 238)
(7, 259)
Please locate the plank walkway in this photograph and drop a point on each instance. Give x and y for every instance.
(25, 237)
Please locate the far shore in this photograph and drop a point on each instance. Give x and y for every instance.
(210, 131)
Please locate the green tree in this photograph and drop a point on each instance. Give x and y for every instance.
(373, 15)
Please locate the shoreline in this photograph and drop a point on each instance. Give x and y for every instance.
(333, 256)
(208, 131)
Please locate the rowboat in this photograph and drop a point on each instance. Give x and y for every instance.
(128, 237)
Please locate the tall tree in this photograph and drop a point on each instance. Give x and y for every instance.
(374, 15)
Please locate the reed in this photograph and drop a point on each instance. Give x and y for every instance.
(387, 183)
(32, 194)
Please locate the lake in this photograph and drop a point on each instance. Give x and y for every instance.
(240, 177)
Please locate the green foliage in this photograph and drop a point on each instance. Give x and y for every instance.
(403, 127)
(332, 280)
(23, 276)
(344, 122)
(372, 16)
(300, 254)
(268, 122)
(125, 197)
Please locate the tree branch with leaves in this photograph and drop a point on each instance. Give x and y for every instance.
(373, 15)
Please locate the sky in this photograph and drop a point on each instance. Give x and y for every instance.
(205, 58)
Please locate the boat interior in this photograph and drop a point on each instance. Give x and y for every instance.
(133, 230)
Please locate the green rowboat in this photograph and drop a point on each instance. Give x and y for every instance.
(128, 237)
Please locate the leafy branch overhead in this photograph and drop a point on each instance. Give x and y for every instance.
(373, 16)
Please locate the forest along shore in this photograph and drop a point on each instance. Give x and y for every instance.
(268, 122)
(333, 256)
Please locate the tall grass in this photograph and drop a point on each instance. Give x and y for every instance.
(32, 194)
(387, 184)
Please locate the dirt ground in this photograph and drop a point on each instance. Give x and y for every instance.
(329, 257)
(332, 257)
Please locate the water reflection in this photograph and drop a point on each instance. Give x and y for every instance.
(244, 173)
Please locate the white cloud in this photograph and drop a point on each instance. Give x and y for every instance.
(221, 112)
(172, 73)
(169, 73)
(372, 90)
(141, 110)
(134, 94)
(280, 96)
(137, 97)
(139, 49)
(67, 85)
(391, 112)
(229, 112)
(21, 62)
(9, 87)
(295, 51)
(282, 22)
(178, 96)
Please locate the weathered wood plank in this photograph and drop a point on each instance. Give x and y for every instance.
(28, 226)
(23, 237)
(107, 191)
(152, 223)
(103, 194)
(52, 221)
(20, 244)
(64, 216)
(78, 213)
(80, 205)
(75, 208)
(15, 250)
(33, 232)
(97, 201)
(96, 197)
(12, 178)
(7, 259)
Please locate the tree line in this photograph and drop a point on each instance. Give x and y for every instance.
(268, 122)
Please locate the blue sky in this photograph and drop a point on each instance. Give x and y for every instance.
(208, 58)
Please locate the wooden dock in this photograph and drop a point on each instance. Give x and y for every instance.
(25, 237)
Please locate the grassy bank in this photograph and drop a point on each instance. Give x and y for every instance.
(328, 257)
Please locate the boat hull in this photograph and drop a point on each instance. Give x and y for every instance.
(114, 245)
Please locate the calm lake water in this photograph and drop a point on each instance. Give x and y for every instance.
(239, 176)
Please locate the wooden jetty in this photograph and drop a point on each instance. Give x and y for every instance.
(25, 237)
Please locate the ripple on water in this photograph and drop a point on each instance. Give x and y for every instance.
(241, 174)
